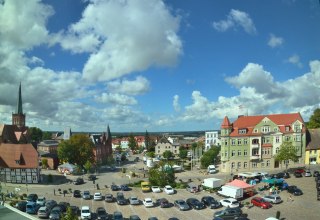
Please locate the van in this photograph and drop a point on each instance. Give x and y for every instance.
(211, 169)
(145, 186)
(193, 188)
(32, 208)
(85, 212)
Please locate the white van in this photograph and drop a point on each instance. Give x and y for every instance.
(85, 212)
(211, 169)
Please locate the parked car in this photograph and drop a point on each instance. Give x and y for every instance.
(97, 196)
(315, 173)
(32, 208)
(101, 213)
(147, 202)
(152, 218)
(85, 212)
(50, 204)
(210, 202)
(297, 174)
(294, 190)
(56, 213)
(181, 205)
(169, 190)
(134, 217)
(133, 200)
(299, 170)
(41, 200)
(121, 200)
(191, 187)
(260, 202)
(195, 203)
(64, 206)
(308, 173)
(86, 195)
(115, 187)
(21, 205)
(280, 175)
(155, 189)
(92, 177)
(43, 212)
(109, 198)
(124, 187)
(230, 202)
(117, 215)
(274, 199)
(228, 213)
(76, 193)
(78, 181)
(163, 203)
(32, 197)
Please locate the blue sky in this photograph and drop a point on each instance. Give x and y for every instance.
(157, 65)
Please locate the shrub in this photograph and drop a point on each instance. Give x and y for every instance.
(50, 179)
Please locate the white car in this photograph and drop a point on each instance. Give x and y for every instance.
(230, 203)
(155, 189)
(41, 200)
(134, 200)
(97, 196)
(147, 202)
(85, 212)
(169, 190)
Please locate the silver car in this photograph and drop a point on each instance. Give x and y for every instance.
(86, 195)
(274, 199)
(181, 205)
(134, 200)
(43, 212)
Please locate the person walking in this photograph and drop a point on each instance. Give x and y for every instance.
(64, 193)
(54, 192)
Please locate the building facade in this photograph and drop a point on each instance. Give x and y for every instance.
(165, 145)
(313, 146)
(251, 142)
(102, 145)
(212, 138)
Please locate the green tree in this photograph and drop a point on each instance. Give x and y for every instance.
(167, 154)
(314, 121)
(210, 157)
(162, 177)
(150, 154)
(44, 162)
(35, 134)
(183, 153)
(69, 215)
(77, 150)
(87, 166)
(46, 135)
(147, 140)
(287, 152)
(132, 143)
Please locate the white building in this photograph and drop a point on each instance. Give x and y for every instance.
(212, 138)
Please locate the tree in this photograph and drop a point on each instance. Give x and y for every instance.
(46, 135)
(150, 154)
(167, 154)
(147, 140)
(287, 152)
(77, 150)
(183, 153)
(314, 121)
(69, 215)
(210, 156)
(44, 162)
(35, 134)
(162, 177)
(87, 166)
(132, 143)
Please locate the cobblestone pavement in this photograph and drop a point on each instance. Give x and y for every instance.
(302, 207)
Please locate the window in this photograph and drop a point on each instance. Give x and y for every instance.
(297, 138)
(12, 170)
(277, 150)
(242, 131)
(255, 141)
(233, 153)
(287, 138)
(297, 128)
(239, 141)
(245, 141)
(158, 151)
(23, 178)
(245, 164)
(275, 129)
(245, 153)
(23, 170)
(277, 139)
(175, 151)
(254, 165)
(239, 152)
(232, 165)
(233, 142)
(239, 165)
(226, 142)
(268, 163)
(287, 128)
(34, 178)
(226, 153)
(262, 164)
(265, 129)
(255, 131)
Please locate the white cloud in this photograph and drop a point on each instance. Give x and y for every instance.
(176, 104)
(124, 37)
(130, 87)
(36, 60)
(295, 60)
(114, 98)
(235, 19)
(275, 41)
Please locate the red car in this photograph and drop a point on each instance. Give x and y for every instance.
(260, 202)
(299, 170)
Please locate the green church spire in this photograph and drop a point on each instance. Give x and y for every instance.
(19, 106)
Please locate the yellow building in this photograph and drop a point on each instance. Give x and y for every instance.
(313, 146)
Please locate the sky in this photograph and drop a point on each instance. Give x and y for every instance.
(157, 65)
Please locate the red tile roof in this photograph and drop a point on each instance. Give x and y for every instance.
(26, 153)
(249, 122)
(225, 123)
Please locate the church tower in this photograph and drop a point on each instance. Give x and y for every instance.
(18, 118)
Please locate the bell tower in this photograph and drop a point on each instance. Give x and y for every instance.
(18, 118)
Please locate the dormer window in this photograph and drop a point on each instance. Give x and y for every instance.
(17, 161)
(265, 129)
(242, 131)
(287, 128)
(297, 128)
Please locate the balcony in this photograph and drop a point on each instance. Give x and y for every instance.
(255, 145)
(255, 157)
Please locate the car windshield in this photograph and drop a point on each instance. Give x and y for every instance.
(85, 211)
(236, 202)
(101, 212)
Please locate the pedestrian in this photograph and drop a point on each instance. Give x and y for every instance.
(64, 193)
(54, 192)
(94, 181)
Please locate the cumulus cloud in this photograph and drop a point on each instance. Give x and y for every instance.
(123, 37)
(176, 104)
(275, 41)
(236, 18)
(295, 60)
(131, 87)
(114, 98)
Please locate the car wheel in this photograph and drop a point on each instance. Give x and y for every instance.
(261, 207)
